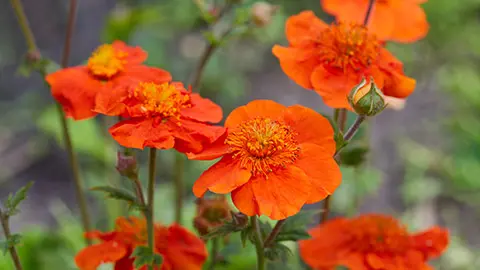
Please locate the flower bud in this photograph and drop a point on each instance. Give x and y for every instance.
(366, 99)
(262, 13)
(126, 164)
(211, 214)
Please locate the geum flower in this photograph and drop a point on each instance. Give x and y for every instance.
(396, 20)
(333, 59)
(371, 242)
(110, 68)
(274, 159)
(179, 248)
(165, 116)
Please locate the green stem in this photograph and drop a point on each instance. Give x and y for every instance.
(258, 243)
(276, 230)
(214, 252)
(12, 249)
(178, 181)
(150, 201)
(24, 25)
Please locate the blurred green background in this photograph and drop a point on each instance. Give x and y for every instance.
(423, 164)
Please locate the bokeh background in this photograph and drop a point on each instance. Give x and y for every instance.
(423, 165)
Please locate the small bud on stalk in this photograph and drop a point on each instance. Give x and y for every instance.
(211, 214)
(126, 164)
(262, 13)
(366, 99)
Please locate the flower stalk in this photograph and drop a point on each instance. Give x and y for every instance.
(273, 234)
(150, 202)
(4, 219)
(258, 243)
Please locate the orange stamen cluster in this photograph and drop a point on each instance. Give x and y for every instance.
(263, 145)
(163, 100)
(379, 234)
(348, 46)
(106, 61)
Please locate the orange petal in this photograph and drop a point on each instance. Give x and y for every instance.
(411, 23)
(222, 177)
(91, 257)
(185, 250)
(135, 55)
(334, 87)
(110, 101)
(140, 133)
(75, 90)
(191, 136)
(346, 10)
(432, 243)
(203, 110)
(299, 28)
(132, 75)
(322, 170)
(256, 108)
(212, 151)
(382, 21)
(281, 195)
(298, 64)
(311, 127)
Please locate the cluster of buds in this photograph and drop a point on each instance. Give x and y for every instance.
(211, 213)
(367, 99)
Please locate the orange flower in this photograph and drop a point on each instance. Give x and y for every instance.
(274, 159)
(167, 116)
(397, 20)
(179, 248)
(333, 59)
(370, 242)
(110, 66)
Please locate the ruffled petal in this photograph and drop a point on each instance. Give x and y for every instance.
(311, 127)
(256, 108)
(75, 90)
(191, 136)
(91, 257)
(203, 110)
(301, 29)
(298, 64)
(185, 250)
(396, 84)
(223, 177)
(431, 243)
(382, 21)
(411, 23)
(140, 133)
(322, 170)
(279, 196)
(346, 10)
(213, 150)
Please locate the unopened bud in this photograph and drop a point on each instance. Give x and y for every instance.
(366, 99)
(211, 214)
(262, 13)
(33, 56)
(126, 164)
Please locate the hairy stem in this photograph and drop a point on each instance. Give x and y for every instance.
(258, 243)
(273, 234)
(11, 249)
(150, 201)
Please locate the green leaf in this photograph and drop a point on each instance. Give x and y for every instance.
(211, 38)
(43, 65)
(294, 228)
(14, 200)
(120, 194)
(246, 234)
(143, 256)
(224, 230)
(278, 251)
(353, 156)
(12, 241)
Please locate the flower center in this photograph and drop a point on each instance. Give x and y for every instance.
(348, 46)
(106, 61)
(379, 234)
(263, 145)
(163, 100)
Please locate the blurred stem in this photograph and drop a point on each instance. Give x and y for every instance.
(369, 12)
(258, 243)
(214, 252)
(276, 230)
(340, 118)
(24, 25)
(8, 235)
(151, 194)
(178, 181)
(30, 40)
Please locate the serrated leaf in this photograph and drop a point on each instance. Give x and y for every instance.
(14, 200)
(295, 227)
(143, 256)
(265, 228)
(278, 251)
(246, 234)
(12, 241)
(224, 230)
(353, 156)
(120, 194)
